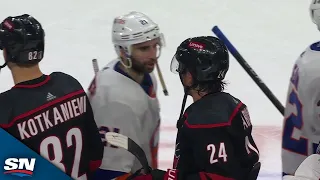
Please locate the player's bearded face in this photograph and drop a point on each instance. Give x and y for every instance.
(145, 55)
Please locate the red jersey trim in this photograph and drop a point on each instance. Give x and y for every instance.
(32, 85)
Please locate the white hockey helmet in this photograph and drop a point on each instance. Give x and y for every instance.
(134, 28)
(315, 12)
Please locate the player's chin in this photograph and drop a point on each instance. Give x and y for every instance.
(149, 68)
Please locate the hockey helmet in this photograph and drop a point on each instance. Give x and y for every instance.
(205, 57)
(134, 28)
(23, 39)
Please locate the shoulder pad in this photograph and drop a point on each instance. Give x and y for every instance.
(65, 80)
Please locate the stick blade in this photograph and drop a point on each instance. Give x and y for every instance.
(117, 139)
(125, 142)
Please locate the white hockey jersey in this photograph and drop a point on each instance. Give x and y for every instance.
(121, 105)
(301, 126)
(309, 169)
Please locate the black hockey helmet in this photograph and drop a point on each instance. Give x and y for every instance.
(205, 57)
(23, 39)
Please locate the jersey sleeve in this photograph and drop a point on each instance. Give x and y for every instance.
(95, 143)
(218, 152)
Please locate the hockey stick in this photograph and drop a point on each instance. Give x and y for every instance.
(248, 69)
(95, 65)
(125, 142)
(164, 87)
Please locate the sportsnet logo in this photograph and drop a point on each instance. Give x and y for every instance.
(19, 166)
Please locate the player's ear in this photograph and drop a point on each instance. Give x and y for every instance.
(188, 80)
(122, 53)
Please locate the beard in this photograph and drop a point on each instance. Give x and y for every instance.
(141, 68)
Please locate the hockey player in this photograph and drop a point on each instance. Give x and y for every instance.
(214, 138)
(301, 126)
(50, 114)
(123, 94)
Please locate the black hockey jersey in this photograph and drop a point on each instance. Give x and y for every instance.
(52, 116)
(214, 140)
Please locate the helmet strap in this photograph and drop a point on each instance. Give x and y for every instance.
(180, 120)
(129, 63)
(186, 89)
(127, 53)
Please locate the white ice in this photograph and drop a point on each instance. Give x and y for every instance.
(270, 35)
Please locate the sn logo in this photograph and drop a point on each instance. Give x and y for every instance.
(19, 166)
